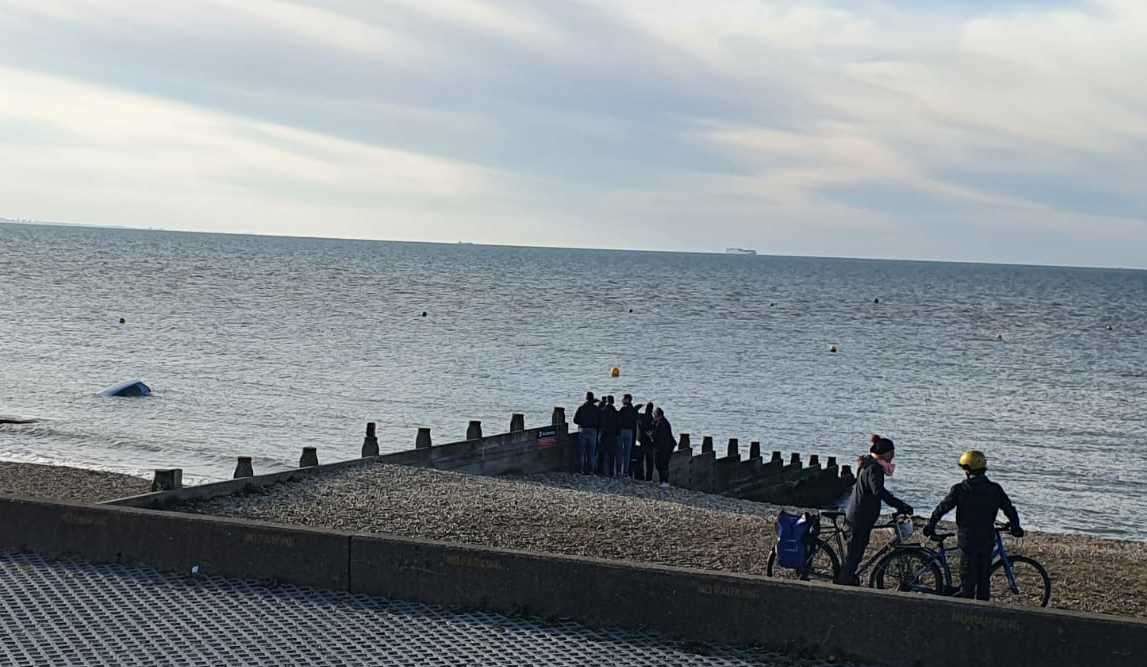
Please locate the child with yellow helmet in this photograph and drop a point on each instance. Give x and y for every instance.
(977, 500)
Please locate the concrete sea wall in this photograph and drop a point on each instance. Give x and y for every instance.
(899, 630)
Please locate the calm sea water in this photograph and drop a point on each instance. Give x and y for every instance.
(261, 345)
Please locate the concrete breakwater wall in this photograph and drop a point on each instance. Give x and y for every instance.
(520, 451)
(694, 605)
(550, 448)
(753, 478)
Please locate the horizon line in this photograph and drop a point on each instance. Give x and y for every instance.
(43, 223)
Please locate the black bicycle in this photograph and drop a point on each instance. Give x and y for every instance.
(1015, 580)
(823, 561)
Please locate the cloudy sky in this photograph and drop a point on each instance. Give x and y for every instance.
(947, 129)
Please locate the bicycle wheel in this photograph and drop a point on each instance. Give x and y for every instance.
(823, 565)
(1033, 585)
(908, 570)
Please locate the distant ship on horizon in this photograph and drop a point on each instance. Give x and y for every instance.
(740, 251)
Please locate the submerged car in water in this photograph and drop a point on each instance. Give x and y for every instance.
(129, 388)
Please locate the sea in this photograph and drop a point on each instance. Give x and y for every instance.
(258, 346)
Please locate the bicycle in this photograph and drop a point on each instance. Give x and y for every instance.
(1015, 580)
(823, 563)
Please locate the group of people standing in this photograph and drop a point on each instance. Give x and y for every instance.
(623, 442)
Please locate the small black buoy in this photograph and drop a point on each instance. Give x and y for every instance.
(772, 304)
(631, 310)
(876, 300)
(424, 313)
(1000, 337)
(122, 321)
(1109, 327)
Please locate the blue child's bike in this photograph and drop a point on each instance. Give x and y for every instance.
(1015, 580)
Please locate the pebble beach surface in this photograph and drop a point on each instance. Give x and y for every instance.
(31, 480)
(623, 519)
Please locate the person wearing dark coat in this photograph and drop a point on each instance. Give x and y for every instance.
(627, 431)
(599, 462)
(647, 454)
(663, 444)
(977, 501)
(607, 437)
(587, 418)
(868, 493)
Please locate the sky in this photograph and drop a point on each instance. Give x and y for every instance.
(928, 129)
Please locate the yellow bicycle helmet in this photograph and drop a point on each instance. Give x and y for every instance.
(973, 460)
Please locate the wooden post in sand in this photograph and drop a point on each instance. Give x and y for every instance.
(370, 442)
(243, 468)
(167, 479)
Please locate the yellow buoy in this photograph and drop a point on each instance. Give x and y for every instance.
(615, 372)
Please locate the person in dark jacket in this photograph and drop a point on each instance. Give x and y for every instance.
(663, 444)
(977, 500)
(647, 455)
(627, 430)
(599, 461)
(607, 437)
(864, 504)
(587, 419)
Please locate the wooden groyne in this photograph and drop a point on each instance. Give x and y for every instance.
(548, 449)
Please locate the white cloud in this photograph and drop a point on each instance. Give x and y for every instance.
(489, 16)
(331, 29)
(588, 123)
(133, 148)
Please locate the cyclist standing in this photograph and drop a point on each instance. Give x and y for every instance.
(864, 504)
(976, 500)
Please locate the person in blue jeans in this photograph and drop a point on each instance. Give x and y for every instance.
(627, 425)
(587, 418)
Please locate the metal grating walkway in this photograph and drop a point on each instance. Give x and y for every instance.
(66, 613)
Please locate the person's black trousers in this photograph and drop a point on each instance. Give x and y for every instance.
(663, 464)
(599, 464)
(857, 544)
(609, 464)
(649, 457)
(975, 572)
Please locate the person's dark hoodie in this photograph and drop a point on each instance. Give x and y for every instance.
(868, 493)
(645, 428)
(977, 500)
(588, 415)
(609, 420)
(663, 435)
(627, 418)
